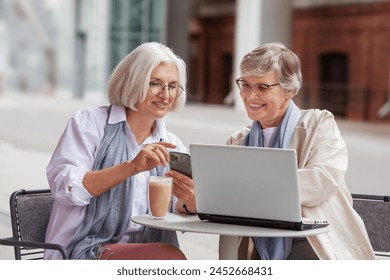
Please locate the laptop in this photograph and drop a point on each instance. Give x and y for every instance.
(248, 186)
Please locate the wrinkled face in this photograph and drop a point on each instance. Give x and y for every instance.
(262, 103)
(156, 105)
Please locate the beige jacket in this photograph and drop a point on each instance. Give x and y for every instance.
(322, 162)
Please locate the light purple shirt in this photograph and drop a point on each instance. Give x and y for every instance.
(74, 156)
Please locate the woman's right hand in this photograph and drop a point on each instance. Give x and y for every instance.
(99, 181)
(151, 156)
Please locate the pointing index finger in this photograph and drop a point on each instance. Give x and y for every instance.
(167, 145)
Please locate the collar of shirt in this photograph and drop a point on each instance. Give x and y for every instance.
(118, 114)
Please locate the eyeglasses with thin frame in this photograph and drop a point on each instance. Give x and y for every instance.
(157, 86)
(259, 89)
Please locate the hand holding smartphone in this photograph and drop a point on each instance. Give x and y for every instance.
(180, 162)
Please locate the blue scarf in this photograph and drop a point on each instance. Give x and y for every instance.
(274, 248)
(108, 215)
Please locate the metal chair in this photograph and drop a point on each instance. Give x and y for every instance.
(30, 213)
(375, 212)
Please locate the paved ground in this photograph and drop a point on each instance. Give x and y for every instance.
(31, 125)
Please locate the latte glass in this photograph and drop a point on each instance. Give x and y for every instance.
(159, 196)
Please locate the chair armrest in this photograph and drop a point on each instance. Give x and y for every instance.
(11, 241)
(382, 255)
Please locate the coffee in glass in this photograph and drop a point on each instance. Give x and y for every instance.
(159, 196)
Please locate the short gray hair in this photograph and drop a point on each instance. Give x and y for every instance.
(129, 82)
(274, 56)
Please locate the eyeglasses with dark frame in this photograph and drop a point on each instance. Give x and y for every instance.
(157, 86)
(260, 88)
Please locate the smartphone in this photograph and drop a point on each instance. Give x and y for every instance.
(180, 162)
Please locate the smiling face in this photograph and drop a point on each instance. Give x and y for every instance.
(268, 108)
(156, 106)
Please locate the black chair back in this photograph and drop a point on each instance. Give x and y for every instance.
(375, 212)
(30, 213)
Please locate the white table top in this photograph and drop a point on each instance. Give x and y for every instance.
(187, 223)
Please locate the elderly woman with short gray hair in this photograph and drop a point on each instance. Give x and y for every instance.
(270, 78)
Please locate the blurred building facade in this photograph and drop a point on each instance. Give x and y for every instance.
(27, 46)
(345, 52)
(343, 46)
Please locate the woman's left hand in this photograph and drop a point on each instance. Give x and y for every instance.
(183, 189)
